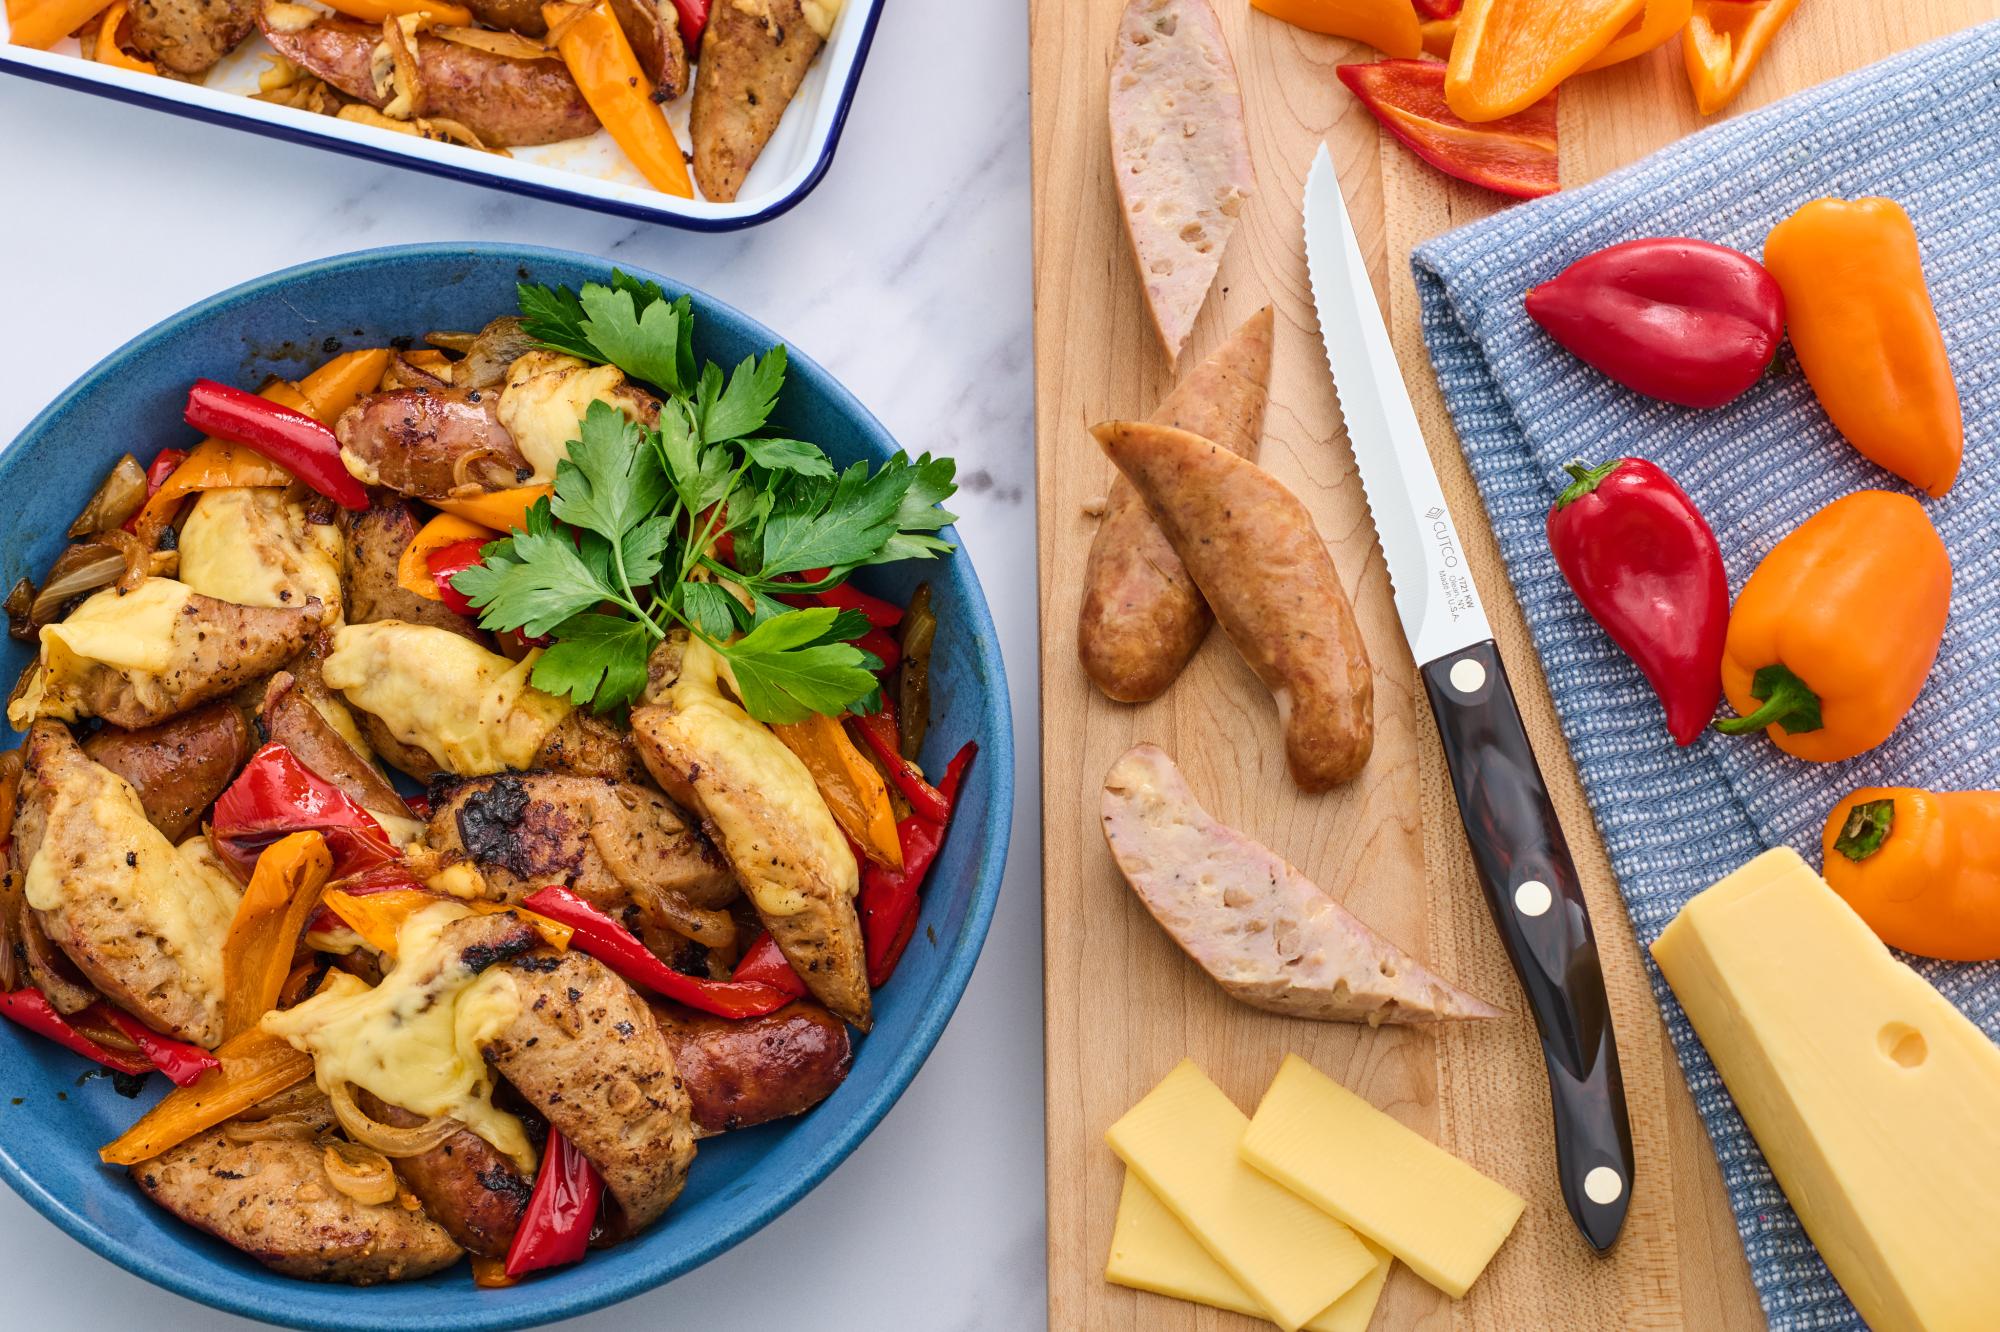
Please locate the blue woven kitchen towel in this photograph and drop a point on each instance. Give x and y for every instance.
(1923, 129)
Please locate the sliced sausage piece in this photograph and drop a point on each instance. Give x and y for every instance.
(291, 720)
(654, 30)
(1267, 934)
(273, 1199)
(49, 968)
(586, 746)
(1142, 616)
(522, 16)
(180, 766)
(376, 539)
(430, 443)
(740, 1073)
(1252, 549)
(188, 37)
(753, 57)
(466, 1185)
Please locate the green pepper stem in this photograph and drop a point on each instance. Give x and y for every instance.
(1866, 827)
(1585, 480)
(1788, 702)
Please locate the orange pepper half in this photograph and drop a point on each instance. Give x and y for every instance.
(1722, 43)
(43, 25)
(257, 954)
(1655, 27)
(413, 573)
(1439, 34)
(374, 11)
(255, 1067)
(1512, 53)
(851, 786)
(1921, 867)
(601, 60)
(1390, 26)
(501, 510)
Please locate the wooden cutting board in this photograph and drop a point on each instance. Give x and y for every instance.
(1123, 1004)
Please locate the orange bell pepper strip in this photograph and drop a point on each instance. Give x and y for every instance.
(1862, 324)
(1722, 43)
(109, 52)
(257, 954)
(1390, 26)
(601, 60)
(1921, 867)
(1830, 640)
(413, 573)
(339, 384)
(1439, 34)
(1512, 53)
(43, 25)
(374, 11)
(501, 510)
(851, 786)
(255, 1066)
(379, 917)
(1656, 25)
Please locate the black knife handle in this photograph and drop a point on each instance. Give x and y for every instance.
(1537, 902)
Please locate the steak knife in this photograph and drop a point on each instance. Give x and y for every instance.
(1523, 861)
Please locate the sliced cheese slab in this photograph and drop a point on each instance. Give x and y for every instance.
(1291, 1258)
(1876, 1102)
(1152, 1251)
(1418, 1201)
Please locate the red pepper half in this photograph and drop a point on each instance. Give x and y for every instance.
(878, 731)
(276, 795)
(881, 614)
(163, 467)
(1514, 155)
(293, 440)
(616, 947)
(32, 1009)
(888, 901)
(763, 963)
(179, 1060)
(1642, 560)
(694, 22)
(446, 563)
(1684, 320)
(555, 1226)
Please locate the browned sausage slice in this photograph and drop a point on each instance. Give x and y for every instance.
(376, 538)
(430, 443)
(291, 720)
(466, 1185)
(180, 766)
(740, 1073)
(188, 37)
(753, 59)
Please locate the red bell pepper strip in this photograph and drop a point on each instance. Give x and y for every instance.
(881, 614)
(555, 1227)
(693, 22)
(1684, 320)
(1439, 9)
(878, 731)
(276, 795)
(616, 947)
(1643, 562)
(163, 467)
(1514, 155)
(764, 964)
(446, 563)
(888, 901)
(419, 805)
(179, 1060)
(32, 1009)
(293, 440)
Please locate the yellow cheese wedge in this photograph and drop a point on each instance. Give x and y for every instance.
(1291, 1258)
(1418, 1201)
(1152, 1251)
(1876, 1102)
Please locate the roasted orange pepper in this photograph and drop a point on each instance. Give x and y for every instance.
(43, 25)
(1722, 43)
(413, 572)
(109, 52)
(501, 510)
(255, 1067)
(1390, 26)
(1512, 53)
(601, 60)
(257, 954)
(1862, 324)
(1831, 638)
(851, 786)
(374, 11)
(1921, 867)
(1655, 26)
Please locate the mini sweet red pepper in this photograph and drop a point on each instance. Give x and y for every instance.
(179, 1060)
(888, 901)
(618, 948)
(1514, 155)
(555, 1227)
(32, 1009)
(162, 467)
(447, 563)
(693, 22)
(1673, 318)
(763, 963)
(878, 731)
(276, 795)
(1642, 560)
(881, 615)
(293, 440)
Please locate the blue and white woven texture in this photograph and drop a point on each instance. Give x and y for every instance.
(1924, 129)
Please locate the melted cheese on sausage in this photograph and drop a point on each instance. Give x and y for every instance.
(252, 546)
(131, 632)
(544, 402)
(471, 710)
(416, 1039)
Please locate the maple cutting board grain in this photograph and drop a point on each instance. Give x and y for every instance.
(1123, 1005)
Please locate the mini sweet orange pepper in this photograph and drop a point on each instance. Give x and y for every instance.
(109, 52)
(271, 915)
(1656, 25)
(1390, 26)
(501, 510)
(1439, 34)
(43, 25)
(413, 573)
(1831, 638)
(1862, 324)
(374, 11)
(255, 1066)
(1512, 53)
(1921, 867)
(601, 60)
(1722, 43)
(849, 784)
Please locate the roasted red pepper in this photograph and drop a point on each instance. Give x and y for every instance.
(446, 563)
(293, 440)
(878, 731)
(179, 1060)
(1439, 9)
(1678, 319)
(881, 614)
(163, 467)
(888, 902)
(555, 1227)
(763, 963)
(1642, 560)
(390, 878)
(693, 22)
(32, 1009)
(1514, 155)
(616, 947)
(276, 795)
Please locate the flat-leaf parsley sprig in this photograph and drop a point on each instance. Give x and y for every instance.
(628, 546)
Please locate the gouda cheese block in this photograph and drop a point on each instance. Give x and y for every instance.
(1418, 1201)
(1876, 1102)
(1152, 1251)
(1293, 1259)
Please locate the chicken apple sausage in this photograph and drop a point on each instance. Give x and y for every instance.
(740, 1073)
(180, 766)
(1253, 550)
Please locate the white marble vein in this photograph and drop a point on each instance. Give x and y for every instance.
(907, 275)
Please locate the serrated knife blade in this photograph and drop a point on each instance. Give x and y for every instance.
(1518, 848)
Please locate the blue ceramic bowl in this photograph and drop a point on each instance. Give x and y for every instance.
(51, 1124)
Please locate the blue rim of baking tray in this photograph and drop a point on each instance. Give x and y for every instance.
(472, 176)
(633, 1276)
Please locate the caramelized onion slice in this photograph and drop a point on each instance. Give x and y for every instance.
(390, 1141)
(121, 494)
(361, 1173)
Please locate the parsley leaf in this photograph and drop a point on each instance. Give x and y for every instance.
(711, 608)
(596, 658)
(836, 524)
(610, 482)
(533, 580)
(922, 510)
(746, 404)
(554, 318)
(785, 670)
(645, 341)
(788, 455)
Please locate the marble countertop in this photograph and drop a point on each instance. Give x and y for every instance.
(907, 275)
